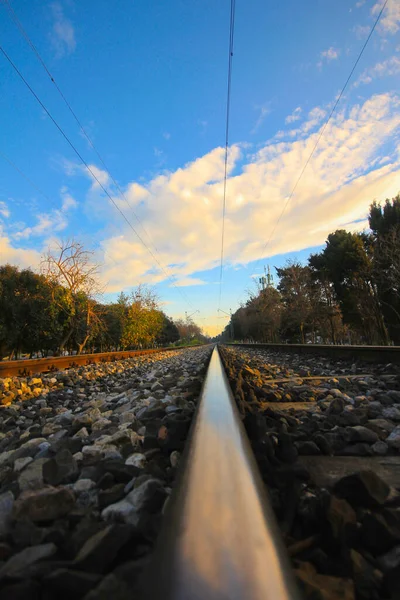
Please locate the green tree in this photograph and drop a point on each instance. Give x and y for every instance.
(169, 332)
(295, 287)
(144, 320)
(384, 222)
(28, 320)
(347, 261)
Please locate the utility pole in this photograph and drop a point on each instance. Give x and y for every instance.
(230, 322)
(188, 316)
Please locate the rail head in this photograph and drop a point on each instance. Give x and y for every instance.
(220, 539)
(373, 354)
(33, 366)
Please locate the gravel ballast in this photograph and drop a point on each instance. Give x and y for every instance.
(301, 412)
(88, 457)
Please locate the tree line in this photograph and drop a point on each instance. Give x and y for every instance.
(347, 293)
(58, 310)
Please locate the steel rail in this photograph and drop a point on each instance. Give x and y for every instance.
(373, 354)
(220, 539)
(33, 366)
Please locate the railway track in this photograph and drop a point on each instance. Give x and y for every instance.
(29, 367)
(282, 512)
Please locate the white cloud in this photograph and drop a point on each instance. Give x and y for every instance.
(17, 256)
(187, 281)
(101, 175)
(265, 110)
(361, 31)
(328, 55)
(295, 116)
(68, 201)
(47, 223)
(386, 68)
(4, 210)
(166, 135)
(62, 35)
(390, 19)
(314, 119)
(354, 164)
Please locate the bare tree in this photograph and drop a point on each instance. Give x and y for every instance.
(75, 282)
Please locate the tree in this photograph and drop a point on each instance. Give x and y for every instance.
(189, 331)
(74, 278)
(295, 288)
(385, 225)
(347, 261)
(169, 332)
(325, 305)
(143, 321)
(28, 320)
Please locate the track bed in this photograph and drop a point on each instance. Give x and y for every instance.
(326, 437)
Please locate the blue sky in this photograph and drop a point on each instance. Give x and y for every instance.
(148, 82)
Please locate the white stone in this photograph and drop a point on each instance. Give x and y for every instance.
(137, 460)
(380, 448)
(394, 438)
(127, 417)
(120, 511)
(83, 485)
(6, 457)
(111, 452)
(31, 477)
(100, 424)
(174, 458)
(392, 413)
(82, 433)
(21, 463)
(91, 453)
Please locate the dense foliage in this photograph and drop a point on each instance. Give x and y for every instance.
(58, 311)
(347, 293)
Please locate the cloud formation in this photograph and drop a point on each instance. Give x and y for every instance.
(386, 68)
(47, 224)
(390, 20)
(4, 210)
(182, 209)
(328, 55)
(357, 161)
(265, 110)
(295, 116)
(62, 35)
(21, 257)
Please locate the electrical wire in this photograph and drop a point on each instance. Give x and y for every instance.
(91, 171)
(321, 133)
(19, 25)
(45, 196)
(228, 104)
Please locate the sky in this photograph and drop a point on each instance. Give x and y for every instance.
(148, 82)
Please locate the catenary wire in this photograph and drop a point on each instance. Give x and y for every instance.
(19, 25)
(321, 133)
(45, 196)
(228, 103)
(92, 173)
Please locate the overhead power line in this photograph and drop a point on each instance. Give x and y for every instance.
(45, 196)
(228, 104)
(18, 23)
(321, 133)
(92, 173)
